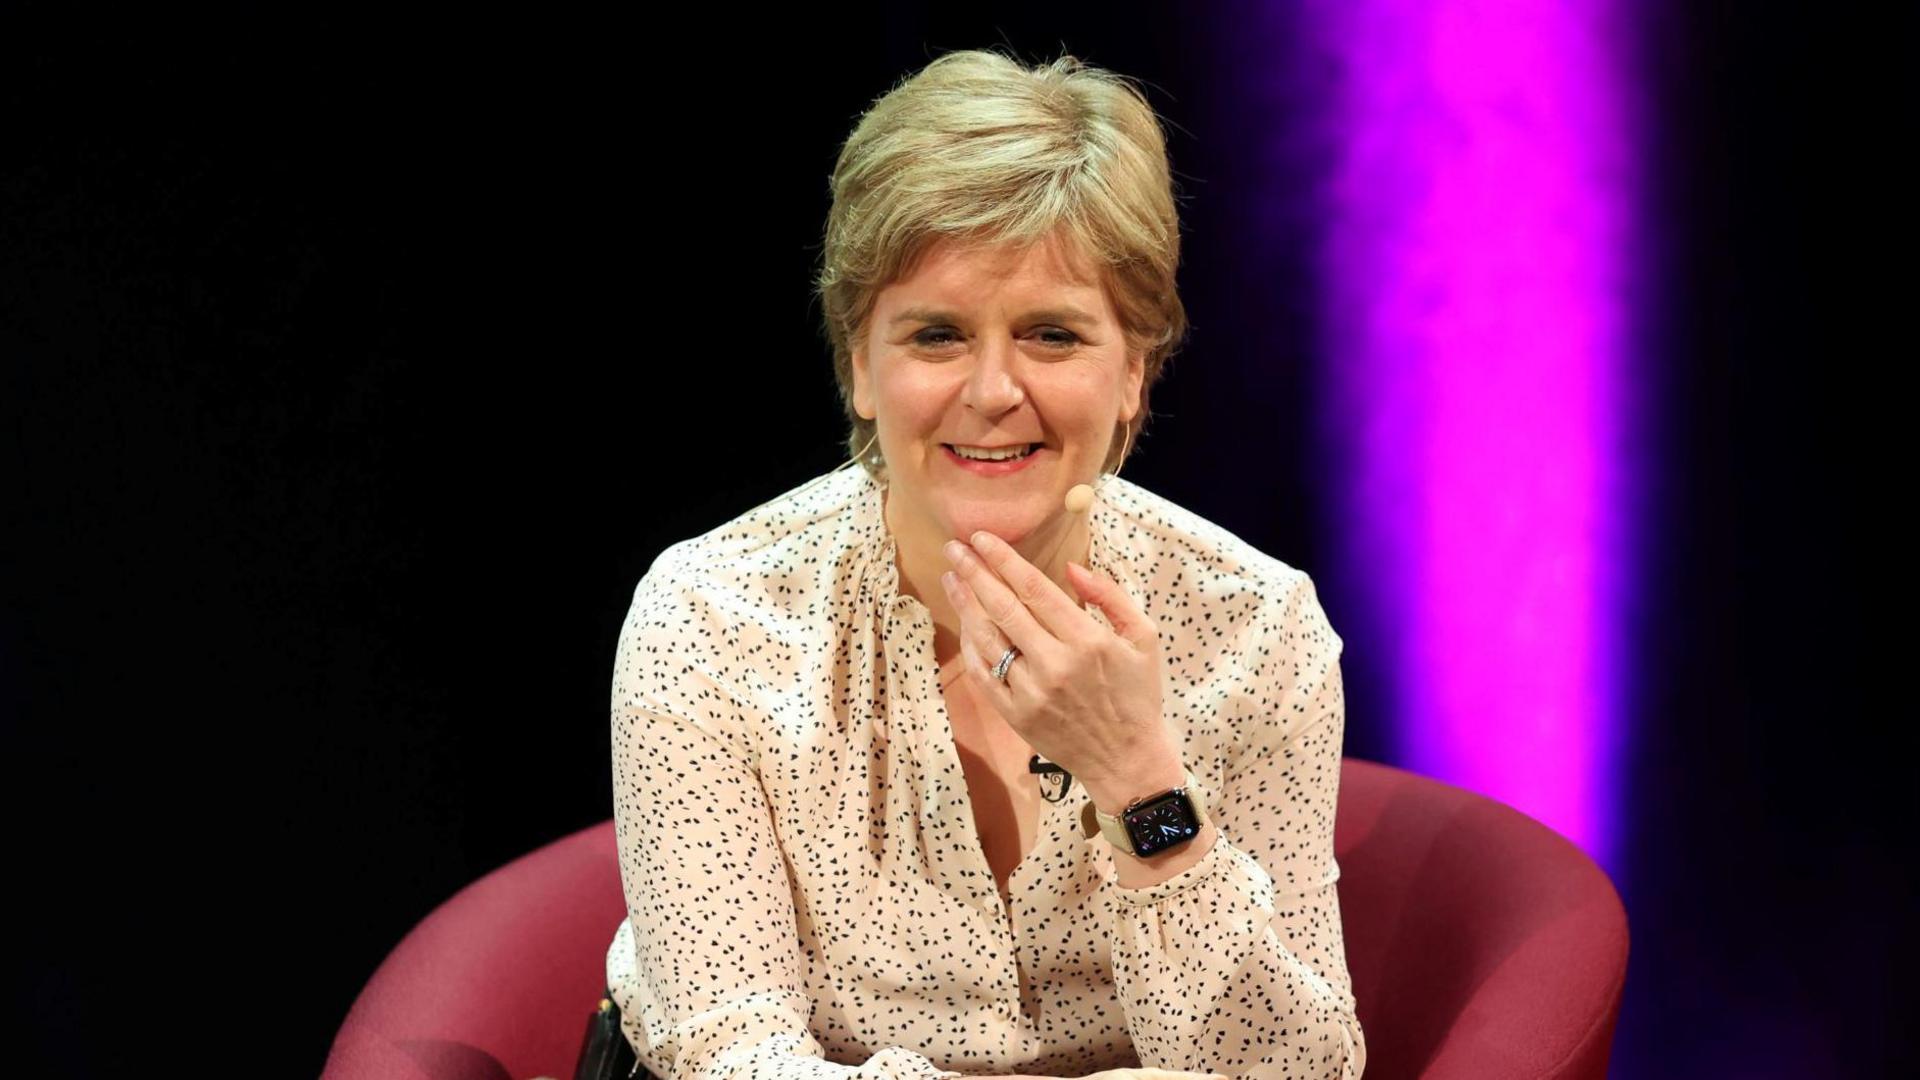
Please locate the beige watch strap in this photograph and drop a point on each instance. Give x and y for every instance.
(1115, 830)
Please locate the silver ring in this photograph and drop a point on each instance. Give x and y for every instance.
(1006, 661)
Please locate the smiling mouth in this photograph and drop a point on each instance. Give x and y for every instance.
(1029, 449)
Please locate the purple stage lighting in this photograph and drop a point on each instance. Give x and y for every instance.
(1477, 309)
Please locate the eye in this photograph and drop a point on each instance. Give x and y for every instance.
(1053, 337)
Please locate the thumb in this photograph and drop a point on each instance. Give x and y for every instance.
(1125, 615)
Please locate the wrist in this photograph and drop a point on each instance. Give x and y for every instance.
(1148, 775)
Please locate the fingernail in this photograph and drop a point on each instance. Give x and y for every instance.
(982, 538)
(947, 579)
(955, 551)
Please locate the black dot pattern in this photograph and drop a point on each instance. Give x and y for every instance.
(806, 889)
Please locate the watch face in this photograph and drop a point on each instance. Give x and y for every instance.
(1163, 823)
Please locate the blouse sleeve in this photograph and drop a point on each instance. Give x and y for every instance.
(1237, 965)
(718, 991)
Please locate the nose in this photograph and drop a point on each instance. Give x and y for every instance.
(994, 387)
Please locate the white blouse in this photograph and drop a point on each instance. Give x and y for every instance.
(807, 893)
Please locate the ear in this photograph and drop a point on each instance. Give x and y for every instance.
(862, 386)
(1136, 375)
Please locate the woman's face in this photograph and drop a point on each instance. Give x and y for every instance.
(993, 348)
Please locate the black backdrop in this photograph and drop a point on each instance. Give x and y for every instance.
(355, 372)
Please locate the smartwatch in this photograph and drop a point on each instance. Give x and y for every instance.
(1152, 824)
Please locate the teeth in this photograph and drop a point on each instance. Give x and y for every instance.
(978, 454)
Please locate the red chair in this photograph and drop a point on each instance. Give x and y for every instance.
(496, 983)
(1482, 946)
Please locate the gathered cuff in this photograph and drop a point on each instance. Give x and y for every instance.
(1210, 866)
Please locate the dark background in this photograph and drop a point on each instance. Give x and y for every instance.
(355, 372)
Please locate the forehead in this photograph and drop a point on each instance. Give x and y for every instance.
(957, 270)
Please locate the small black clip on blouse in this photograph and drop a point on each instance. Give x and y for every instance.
(1052, 776)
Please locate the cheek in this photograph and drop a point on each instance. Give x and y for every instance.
(914, 400)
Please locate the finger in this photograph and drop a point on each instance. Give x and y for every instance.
(1045, 602)
(998, 604)
(1122, 611)
(979, 641)
(1050, 606)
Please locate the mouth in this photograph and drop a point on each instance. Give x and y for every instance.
(988, 467)
(1001, 448)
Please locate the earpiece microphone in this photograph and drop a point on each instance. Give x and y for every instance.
(1079, 499)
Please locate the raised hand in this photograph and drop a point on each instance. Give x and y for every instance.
(1084, 697)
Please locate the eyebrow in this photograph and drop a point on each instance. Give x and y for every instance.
(1067, 315)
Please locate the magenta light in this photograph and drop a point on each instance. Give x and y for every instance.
(1477, 311)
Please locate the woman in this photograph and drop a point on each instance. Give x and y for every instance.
(875, 740)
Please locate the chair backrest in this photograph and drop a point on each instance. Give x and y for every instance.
(499, 981)
(1481, 944)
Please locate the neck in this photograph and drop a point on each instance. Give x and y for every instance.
(920, 559)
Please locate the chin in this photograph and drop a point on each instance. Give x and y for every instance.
(1013, 525)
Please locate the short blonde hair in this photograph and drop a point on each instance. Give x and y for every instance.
(980, 148)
